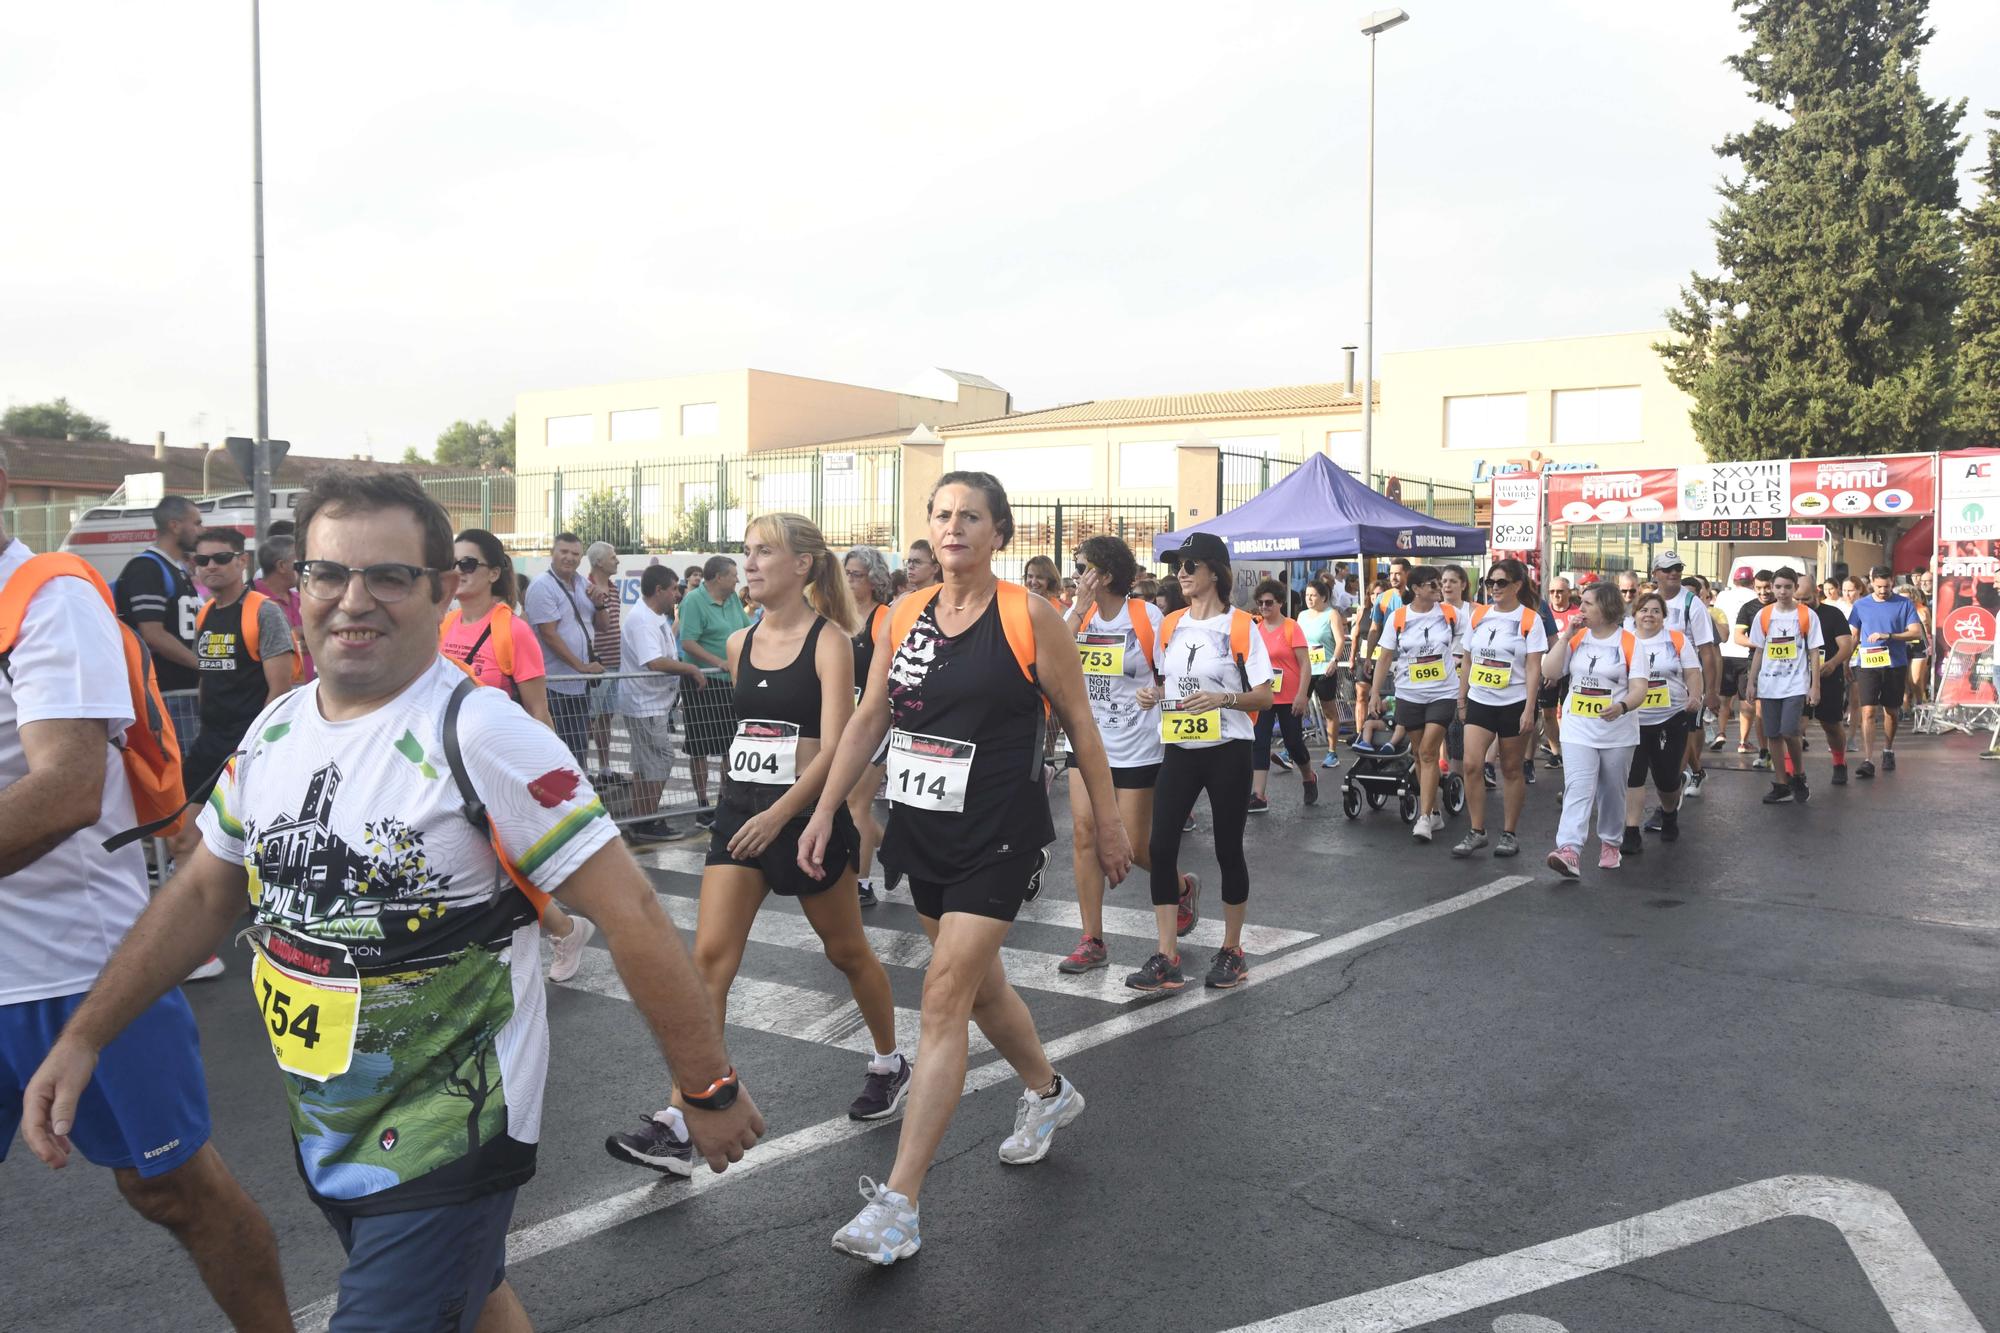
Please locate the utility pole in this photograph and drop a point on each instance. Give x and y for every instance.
(1372, 27)
(261, 484)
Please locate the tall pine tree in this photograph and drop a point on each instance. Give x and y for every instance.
(1828, 329)
(1979, 310)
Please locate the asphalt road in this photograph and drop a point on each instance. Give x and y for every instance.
(1800, 992)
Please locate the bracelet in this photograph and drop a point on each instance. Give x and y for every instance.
(1232, 700)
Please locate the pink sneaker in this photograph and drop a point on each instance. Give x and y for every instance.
(1609, 857)
(1564, 862)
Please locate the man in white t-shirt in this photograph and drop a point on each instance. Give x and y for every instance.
(64, 903)
(1786, 646)
(396, 830)
(647, 642)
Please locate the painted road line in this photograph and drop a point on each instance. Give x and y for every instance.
(1129, 922)
(785, 1011)
(1913, 1288)
(583, 1223)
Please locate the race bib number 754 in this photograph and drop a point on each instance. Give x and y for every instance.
(310, 997)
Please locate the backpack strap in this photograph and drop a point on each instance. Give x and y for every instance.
(1479, 611)
(1016, 624)
(1630, 643)
(908, 611)
(1680, 643)
(1142, 627)
(1400, 618)
(1168, 624)
(1239, 643)
(475, 809)
(1528, 619)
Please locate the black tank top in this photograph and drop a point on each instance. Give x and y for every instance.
(864, 647)
(969, 688)
(789, 694)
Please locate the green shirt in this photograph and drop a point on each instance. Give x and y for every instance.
(707, 624)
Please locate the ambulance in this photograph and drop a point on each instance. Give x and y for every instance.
(109, 536)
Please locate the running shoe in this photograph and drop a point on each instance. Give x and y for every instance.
(655, 1147)
(569, 949)
(1716, 744)
(1422, 830)
(1157, 973)
(1312, 788)
(1489, 777)
(884, 1231)
(1563, 861)
(1332, 760)
(1555, 761)
(1036, 1120)
(1691, 781)
(705, 820)
(883, 1091)
(1840, 775)
(212, 968)
(1780, 794)
(1670, 825)
(1089, 955)
(1473, 840)
(1888, 761)
(1259, 805)
(1632, 844)
(1509, 845)
(1655, 821)
(1528, 772)
(1866, 769)
(1279, 762)
(1608, 857)
(1741, 748)
(1187, 910)
(1228, 970)
(1189, 826)
(864, 889)
(1762, 763)
(1035, 880)
(1801, 793)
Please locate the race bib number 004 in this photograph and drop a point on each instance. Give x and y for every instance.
(1101, 654)
(1492, 675)
(1427, 671)
(1179, 726)
(1782, 650)
(929, 772)
(765, 752)
(309, 1014)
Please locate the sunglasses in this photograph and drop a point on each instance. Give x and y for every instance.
(218, 558)
(1492, 582)
(387, 582)
(1189, 566)
(1267, 601)
(466, 564)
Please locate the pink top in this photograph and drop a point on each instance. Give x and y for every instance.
(485, 663)
(1282, 644)
(290, 603)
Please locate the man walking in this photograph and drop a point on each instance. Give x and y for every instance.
(1831, 710)
(156, 597)
(244, 647)
(567, 620)
(1734, 655)
(647, 642)
(1885, 628)
(372, 821)
(1782, 680)
(64, 901)
(277, 561)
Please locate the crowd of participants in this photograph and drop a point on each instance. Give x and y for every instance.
(391, 762)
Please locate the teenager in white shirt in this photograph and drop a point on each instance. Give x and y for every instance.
(1420, 643)
(1600, 728)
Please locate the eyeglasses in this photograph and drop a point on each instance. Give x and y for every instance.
(466, 564)
(387, 582)
(1267, 601)
(217, 558)
(1628, 593)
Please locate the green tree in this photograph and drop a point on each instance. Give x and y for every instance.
(602, 516)
(693, 531)
(463, 444)
(411, 456)
(1978, 382)
(1828, 329)
(55, 420)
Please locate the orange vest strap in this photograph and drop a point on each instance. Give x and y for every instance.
(1014, 620)
(1142, 627)
(29, 579)
(252, 600)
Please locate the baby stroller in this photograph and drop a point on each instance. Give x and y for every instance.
(1377, 775)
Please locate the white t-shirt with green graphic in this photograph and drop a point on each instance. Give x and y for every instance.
(364, 868)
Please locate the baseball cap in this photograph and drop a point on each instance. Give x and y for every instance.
(1667, 560)
(1200, 546)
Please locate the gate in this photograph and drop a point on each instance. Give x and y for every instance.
(1056, 529)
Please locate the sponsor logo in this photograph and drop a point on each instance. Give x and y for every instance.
(1406, 540)
(1851, 502)
(1261, 545)
(1970, 630)
(1972, 513)
(554, 787)
(162, 1150)
(1812, 502)
(1970, 567)
(1613, 486)
(1851, 476)
(388, 1139)
(1894, 501)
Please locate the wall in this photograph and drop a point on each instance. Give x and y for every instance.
(729, 390)
(788, 411)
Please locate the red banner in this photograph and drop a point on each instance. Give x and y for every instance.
(1864, 487)
(1640, 495)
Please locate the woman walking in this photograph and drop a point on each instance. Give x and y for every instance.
(1500, 678)
(961, 685)
(794, 686)
(1420, 645)
(1600, 728)
(1667, 715)
(1326, 640)
(871, 585)
(1291, 695)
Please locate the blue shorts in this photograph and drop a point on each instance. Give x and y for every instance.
(431, 1269)
(147, 1106)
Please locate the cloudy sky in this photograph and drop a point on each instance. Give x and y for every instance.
(465, 200)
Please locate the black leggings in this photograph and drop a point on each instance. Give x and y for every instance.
(1662, 750)
(1223, 771)
(1295, 739)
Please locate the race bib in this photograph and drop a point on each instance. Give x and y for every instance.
(1427, 671)
(929, 772)
(1179, 726)
(1101, 654)
(1589, 698)
(1657, 695)
(309, 994)
(765, 752)
(1875, 659)
(1277, 683)
(1782, 650)
(1318, 656)
(1491, 675)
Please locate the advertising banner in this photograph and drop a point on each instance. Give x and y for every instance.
(1736, 490)
(1517, 516)
(1885, 487)
(1969, 495)
(1641, 495)
(1864, 487)
(1967, 577)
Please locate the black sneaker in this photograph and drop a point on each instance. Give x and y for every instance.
(1840, 775)
(705, 820)
(882, 1094)
(1228, 970)
(655, 1147)
(1717, 743)
(1800, 792)
(1670, 825)
(1780, 794)
(1258, 805)
(1655, 821)
(864, 890)
(1866, 769)
(1633, 844)
(1035, 880)
(1158, 973)
(1312, 788)
(1489, 777)
(1528, 772)
(1888, 761)
(1189, 826)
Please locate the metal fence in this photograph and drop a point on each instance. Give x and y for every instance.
(43, 527)
(1242, 477)
(1056, 528)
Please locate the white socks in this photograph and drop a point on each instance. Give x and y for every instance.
(673, 1120)
(887, 1064)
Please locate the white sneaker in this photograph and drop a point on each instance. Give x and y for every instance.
(569, 949)
(1036, 1120)
(1422, 830)
(884, 1231)
(212, 968)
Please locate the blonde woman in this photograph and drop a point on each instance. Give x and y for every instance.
(794, 684)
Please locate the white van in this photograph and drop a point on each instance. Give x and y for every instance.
(109, 537)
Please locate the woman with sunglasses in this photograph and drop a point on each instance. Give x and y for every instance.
(1500, 678)
(1325, 628)
(1291, 671)
(1420, 645)
(962, 683)
(500, 649)
(1600, 727)
(1214, 675)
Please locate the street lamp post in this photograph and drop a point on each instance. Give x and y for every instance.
(261, 471)
(1372, 27)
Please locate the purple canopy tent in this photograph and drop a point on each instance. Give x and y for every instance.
(1320, 511)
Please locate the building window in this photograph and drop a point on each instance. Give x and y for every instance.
(1595, 416)
(1486, 421)
(701, 419)
(1344, 448)
(1151, 464)
(568, 432)
(635, 425)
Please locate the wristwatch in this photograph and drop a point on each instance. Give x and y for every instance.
(717, 1096)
